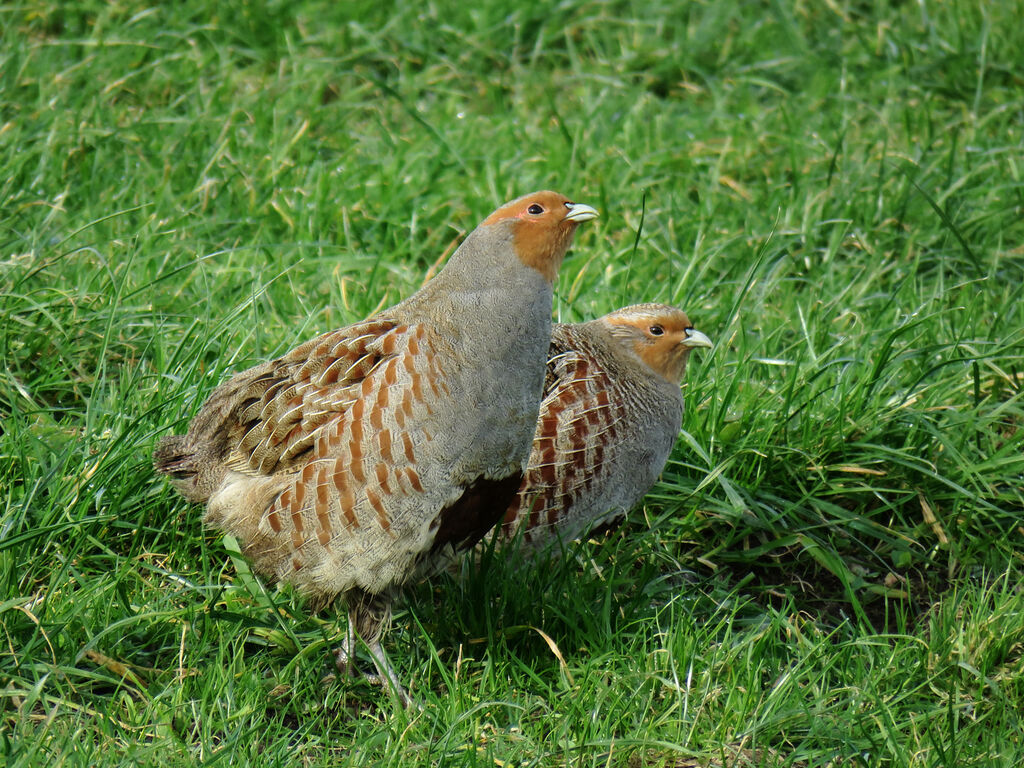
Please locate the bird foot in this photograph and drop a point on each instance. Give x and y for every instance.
(385, 677)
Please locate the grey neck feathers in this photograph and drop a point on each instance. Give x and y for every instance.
(485, 284)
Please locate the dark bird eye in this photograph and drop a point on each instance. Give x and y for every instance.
(535, 209)
(656, 330)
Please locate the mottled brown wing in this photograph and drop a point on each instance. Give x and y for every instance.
(281, 410)
(350, 418)
(576, 421)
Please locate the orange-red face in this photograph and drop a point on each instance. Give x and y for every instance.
(543, 224)
(660, 335)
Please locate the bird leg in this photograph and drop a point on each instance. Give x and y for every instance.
(368, 617)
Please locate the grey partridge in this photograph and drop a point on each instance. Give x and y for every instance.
(610, 415)
(368, 454)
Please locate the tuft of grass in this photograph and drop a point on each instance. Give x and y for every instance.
(828, 572)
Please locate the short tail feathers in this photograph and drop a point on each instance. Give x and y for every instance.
(196, 462)
(193, 472)
(172, 456)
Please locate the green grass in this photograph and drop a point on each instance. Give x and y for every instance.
(829, 572)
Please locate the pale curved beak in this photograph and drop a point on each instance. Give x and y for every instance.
(579, 212)
(695, 338)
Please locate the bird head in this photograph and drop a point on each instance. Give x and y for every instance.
(542, 226)
(660, 335)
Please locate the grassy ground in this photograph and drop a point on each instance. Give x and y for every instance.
(829, 572)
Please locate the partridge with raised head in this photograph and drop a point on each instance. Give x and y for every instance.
(610, 414)
(365, 455)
